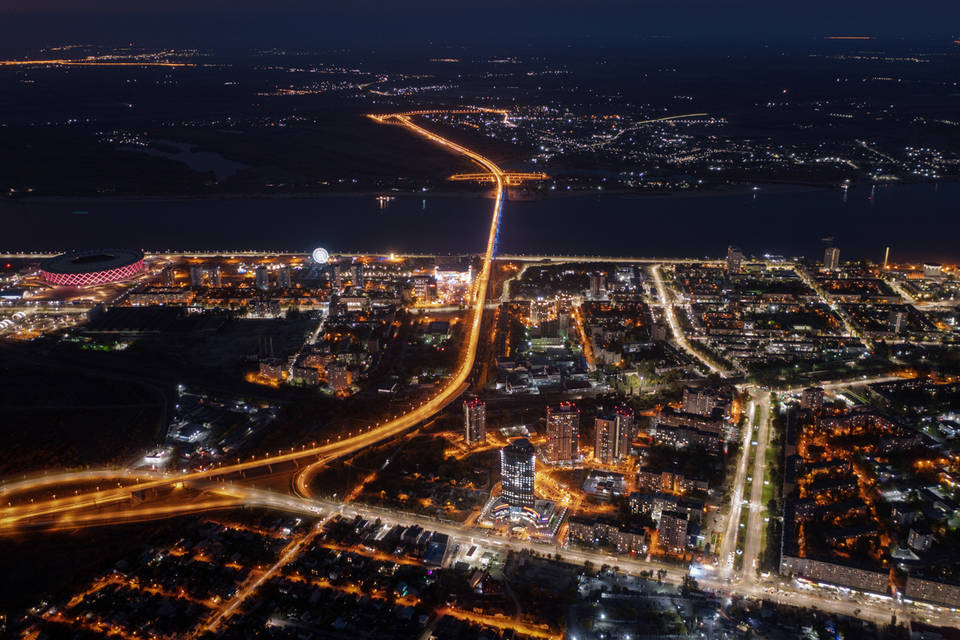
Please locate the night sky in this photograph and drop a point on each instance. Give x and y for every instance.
(242, 23)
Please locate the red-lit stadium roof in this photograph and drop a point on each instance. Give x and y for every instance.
(91, 267)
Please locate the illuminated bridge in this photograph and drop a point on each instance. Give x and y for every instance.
(511, 178)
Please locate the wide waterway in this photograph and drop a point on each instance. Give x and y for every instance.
(918, 222)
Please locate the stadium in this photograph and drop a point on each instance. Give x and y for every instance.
(91, 267)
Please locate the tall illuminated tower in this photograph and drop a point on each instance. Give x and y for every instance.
(734, 259)
(831, 258)
(517, 462)
(614, 435)
(563, 433)
(262, 277)
(475, 421)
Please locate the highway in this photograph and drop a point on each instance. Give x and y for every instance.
(90, 62)
(34, 482)
(11, 517)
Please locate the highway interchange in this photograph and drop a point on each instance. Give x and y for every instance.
(91, 502)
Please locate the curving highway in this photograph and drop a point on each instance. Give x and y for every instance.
(67, 511)
(14, 516)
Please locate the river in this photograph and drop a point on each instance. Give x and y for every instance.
(918, 222)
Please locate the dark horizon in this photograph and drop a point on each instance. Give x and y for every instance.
(294, 23)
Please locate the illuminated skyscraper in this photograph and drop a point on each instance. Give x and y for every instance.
(734, 259)
(598, 286)
(517, 462)
(262, 278)
(475, 421)
(563, 433)
(356, 275)
(216, 277)
(196, 275)
(336, 277)
(898, 320)
(283, 277)
(614, 435)
(831, 258)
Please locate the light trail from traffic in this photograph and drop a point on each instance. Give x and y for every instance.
(512, 178)
(40, 481)
(71, 520)
(431, 112)
(722, 582)
(90, 63)
(12, 517)
(729, 541)
(62, 513)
